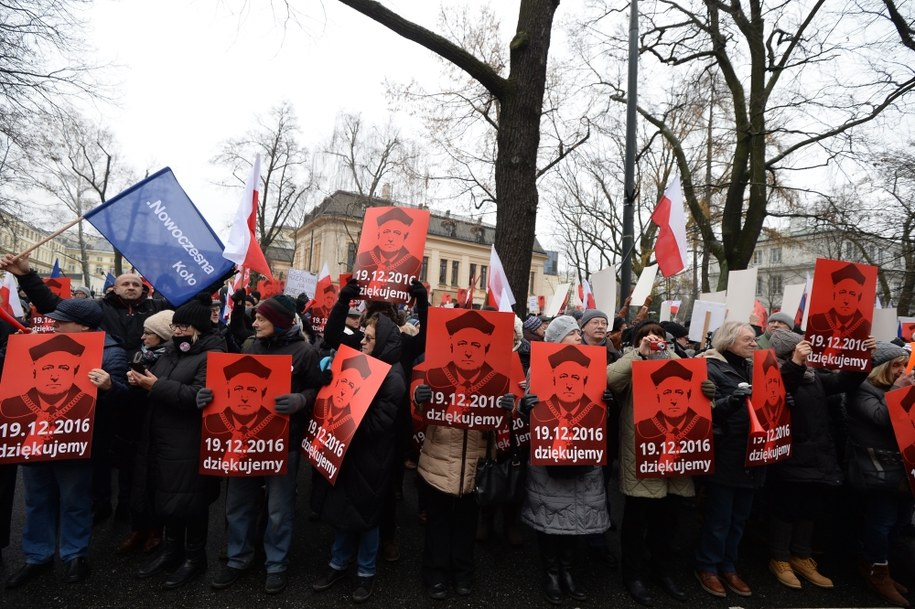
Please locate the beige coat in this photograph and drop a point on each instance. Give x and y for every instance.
(619, 381)
(447, 453)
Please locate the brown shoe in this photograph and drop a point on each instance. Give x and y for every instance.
(711, 583)
(878, 578)
(737, 585)
(134, 541)
(807, 568)
(784, 574)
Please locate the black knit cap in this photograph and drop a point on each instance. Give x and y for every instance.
(195, 312)
(279, 310)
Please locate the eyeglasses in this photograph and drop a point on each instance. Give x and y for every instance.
(181, 327)
(148, 333)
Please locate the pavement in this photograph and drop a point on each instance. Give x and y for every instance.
(506, 577)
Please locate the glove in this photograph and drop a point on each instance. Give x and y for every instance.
(325, 376)
(349, 292)
(422, 394)
(204, 397)
(507, 402)
(289, 403)
(418, 291)
(742, 392)
(238, 296)
(527, 405)
(608, 398)
(708, 389)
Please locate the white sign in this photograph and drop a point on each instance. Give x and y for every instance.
(298, 281)
(707, 317)
(603, 286)
(644, 286)
(557, 299)
(741, 295)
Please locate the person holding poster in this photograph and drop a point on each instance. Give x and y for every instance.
(354, 504)
(276, 332)
(58, 493)
(389, 260)
(801, 488)
(565, 501)
(876, 471)
(167, 482)
(837, 334)
(652, 504)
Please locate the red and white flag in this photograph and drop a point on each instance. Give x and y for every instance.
(669, 215)
(241, 279)
(242, 247)
(801, 314)
(497, 288)
(586, 295)
(9, 295)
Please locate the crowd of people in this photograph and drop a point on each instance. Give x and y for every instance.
(152, 389)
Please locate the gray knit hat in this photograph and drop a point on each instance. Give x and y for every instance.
(784, 342)
(590, 314)
(782, 317)
(887, 352)
(160, 324)
(559, 328)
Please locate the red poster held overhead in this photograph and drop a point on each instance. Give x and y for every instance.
(673, 419)
(899, 403)
(241, 434)
(47, 406)
(769, 440)
(841, 312)
(324, 300)
(521, 431)
(270, 287)
(59, 285)
(569, 423)
(390, 252)
(468, 354)
(340, 408)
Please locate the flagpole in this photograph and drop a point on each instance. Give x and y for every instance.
(48, 238)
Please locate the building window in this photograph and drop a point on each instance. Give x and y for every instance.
(775, 284)
(757, 257)
(473, 273)
(530, 286)
(350, 255)
(424, 271)
(443, 272)
(759, 284)
(482, 282)
(775, 255)
(455, 269)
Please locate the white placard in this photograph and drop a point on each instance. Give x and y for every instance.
(644, 286)
(533, 305)
(885, 326)
(664, 313)
(791, 298)
(557, 299)
(716, 312)
(721, 296)
(297, 282)
(603, 286)
(741, 294)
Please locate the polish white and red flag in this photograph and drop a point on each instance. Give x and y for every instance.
(9, 296)
(586, 295)
(499, 292)
(242, 247)
(670, 216)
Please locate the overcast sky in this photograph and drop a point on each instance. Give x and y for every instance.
(190, 74)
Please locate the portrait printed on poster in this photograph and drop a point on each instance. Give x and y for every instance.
(772, 441)
(390, 252)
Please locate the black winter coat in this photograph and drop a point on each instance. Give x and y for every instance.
(355, 502)
(874, 461)
(166, 480)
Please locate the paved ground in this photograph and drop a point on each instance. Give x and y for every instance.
(506, 577)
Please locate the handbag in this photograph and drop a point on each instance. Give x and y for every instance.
(497, 480)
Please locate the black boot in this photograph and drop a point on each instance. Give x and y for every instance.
(549, 553)
(170, 558)
(566, 563)
(195, 562)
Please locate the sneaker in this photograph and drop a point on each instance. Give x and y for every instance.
(363, 591)
(784, 574)
(226, 577)
(390, 551)
(807, 568)
(276, 582)
(330, 577)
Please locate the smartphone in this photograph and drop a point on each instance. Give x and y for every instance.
(137, 367)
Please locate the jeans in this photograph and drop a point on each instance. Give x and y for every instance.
(242, 516)
(726, 512)
(341, 552)
(58, 505)
(884, 515)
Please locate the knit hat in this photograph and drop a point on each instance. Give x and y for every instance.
(160, 324)
(279, 310)
(82, 290)
(532, 323)
(784, 342)
(782, 317)
(195, 312)
(674, 329)
(590, 314)
(78, 310)
(559, 328)
(887, 352)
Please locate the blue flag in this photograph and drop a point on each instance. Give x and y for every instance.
(109, 282)
(55, 272)
(162, 234)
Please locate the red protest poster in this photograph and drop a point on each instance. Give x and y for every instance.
(673, 419)
(907, 331)
(58, 285)
(841, 311)
(323, 302)
(770, 421)
(569, 423)
(419, 421)
(270, 287)
(47, 405)
(468, 354)
(241, 435)
(521, 431)
(340, 407)
(390, 252)
(899, 403)
(40, 324)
